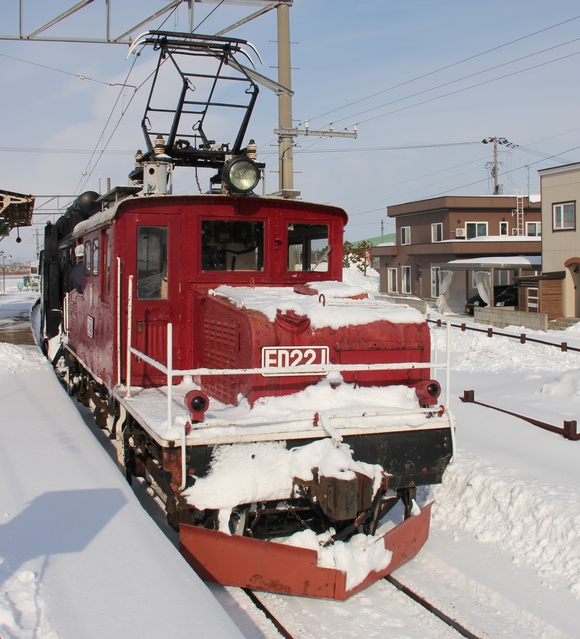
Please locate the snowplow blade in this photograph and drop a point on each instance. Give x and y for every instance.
(233, 560)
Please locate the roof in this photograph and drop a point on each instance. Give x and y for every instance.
(462, 202)
(375, 241)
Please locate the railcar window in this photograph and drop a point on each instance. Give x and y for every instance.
(308, 247)
(152, 262)
(95, 257)
(87, 258)
(231, 245)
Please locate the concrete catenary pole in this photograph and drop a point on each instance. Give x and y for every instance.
(285, 138)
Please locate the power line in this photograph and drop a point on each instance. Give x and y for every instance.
(466, 77)
(473, 86)
(80, 76)
(390, 148)
(17, 149)
(449, 66)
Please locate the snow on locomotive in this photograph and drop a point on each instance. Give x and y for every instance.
(280, 413)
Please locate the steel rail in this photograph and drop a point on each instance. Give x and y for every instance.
(431, 608)
(279, 627)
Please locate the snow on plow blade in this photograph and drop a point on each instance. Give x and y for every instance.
(233, 560)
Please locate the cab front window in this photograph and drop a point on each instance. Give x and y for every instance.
(232, 245)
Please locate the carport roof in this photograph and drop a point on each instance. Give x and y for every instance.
(503, 262)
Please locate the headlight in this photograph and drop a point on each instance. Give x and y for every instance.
(240, 175)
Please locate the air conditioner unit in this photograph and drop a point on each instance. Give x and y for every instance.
(459, 232)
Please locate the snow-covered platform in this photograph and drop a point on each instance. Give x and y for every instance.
(79, 557)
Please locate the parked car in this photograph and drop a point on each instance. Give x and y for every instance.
(503, 296)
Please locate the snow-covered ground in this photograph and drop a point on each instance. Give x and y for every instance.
(504, 551)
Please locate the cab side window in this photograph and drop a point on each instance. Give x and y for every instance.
(95, 257)
(87, 259)
(152, 262)
(308, 247)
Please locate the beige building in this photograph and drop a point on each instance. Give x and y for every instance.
(559, 287)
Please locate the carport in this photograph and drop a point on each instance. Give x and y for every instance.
(461, 279)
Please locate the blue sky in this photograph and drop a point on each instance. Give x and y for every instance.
(426, 81)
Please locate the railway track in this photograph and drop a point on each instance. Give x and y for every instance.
(294, 627)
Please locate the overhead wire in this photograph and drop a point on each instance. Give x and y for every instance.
(80, 76)
(87, 173)
(449, 66)
(471, 75)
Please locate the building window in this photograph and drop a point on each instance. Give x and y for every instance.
(392, 280)
(534, 228)
(564, 216)
(434, 281)
(476, 229)
(437, 232)
(406, 279)
(504, 228)
(405, 235)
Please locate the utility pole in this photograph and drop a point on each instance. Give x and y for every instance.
(286, 133)
(495, 165)
(285, 139)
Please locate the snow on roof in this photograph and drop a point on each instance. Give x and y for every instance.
(505, 238)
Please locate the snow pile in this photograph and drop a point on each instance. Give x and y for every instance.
(22, 606)
(565, 386)
(21, 359)
(362, 555)
(353, 276)
(247, 473)
(527, 519)
(478, 352)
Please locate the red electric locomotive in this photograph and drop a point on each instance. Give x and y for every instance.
(279, 412)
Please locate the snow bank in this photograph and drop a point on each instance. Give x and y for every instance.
(536, 525)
